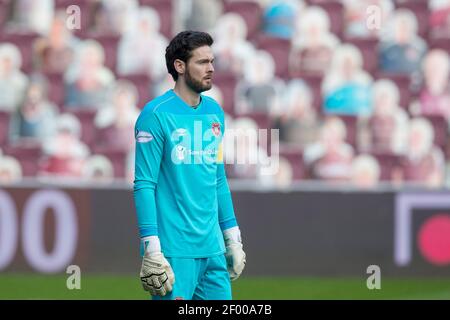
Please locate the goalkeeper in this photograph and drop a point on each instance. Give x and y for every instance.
(190, 240)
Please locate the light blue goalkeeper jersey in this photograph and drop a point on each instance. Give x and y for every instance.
(180, 190)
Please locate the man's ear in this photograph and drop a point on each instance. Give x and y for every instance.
(180, 66)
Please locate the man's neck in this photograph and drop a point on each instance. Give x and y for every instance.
(191, 98)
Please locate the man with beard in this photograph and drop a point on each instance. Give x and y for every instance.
(184, 208)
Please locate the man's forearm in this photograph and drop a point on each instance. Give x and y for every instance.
(227, 218)
(144, 199)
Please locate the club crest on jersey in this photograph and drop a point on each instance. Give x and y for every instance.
(143, 136)
(216, 128)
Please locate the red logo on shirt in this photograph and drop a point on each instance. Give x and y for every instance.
(216, 128)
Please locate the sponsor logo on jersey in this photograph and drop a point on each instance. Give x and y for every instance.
(143, 136)
(180, 152)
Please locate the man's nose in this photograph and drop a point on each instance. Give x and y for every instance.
(210, 67)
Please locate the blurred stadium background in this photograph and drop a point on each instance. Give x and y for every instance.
(360, 94)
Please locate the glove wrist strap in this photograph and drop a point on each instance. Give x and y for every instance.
(151, 244)
(232, 235)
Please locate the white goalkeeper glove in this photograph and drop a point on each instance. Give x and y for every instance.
(235, 255)
(156, 274)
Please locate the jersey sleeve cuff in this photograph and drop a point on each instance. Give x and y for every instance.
(227, 224)
(148, 231)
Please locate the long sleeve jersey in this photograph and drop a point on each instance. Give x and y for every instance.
(181, 191)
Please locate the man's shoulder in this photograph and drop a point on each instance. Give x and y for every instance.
(158, 104)
(213, 105)
(152, 109)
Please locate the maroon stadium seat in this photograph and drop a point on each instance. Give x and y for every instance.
(350, 124)
(56, 88)
(118, 159)
(24, 42)
(27, 154)
(4, 11)
(440, 43)
(295, 157)
(403, 82)
(440, 127)
(262, 119)
(86, 117)
(226, 82)
(369, 51)
(420, 9)
(142, 82)
(279, 49)
(4, 127)
(164, 9)
(335, 11)
(264, 123)
(250, 11)
(109, 43)
(314, 82)
(388, 162)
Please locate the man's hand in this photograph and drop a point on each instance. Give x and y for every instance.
(156, 274)
(235, 255)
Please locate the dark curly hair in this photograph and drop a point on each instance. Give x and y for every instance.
(181, 47)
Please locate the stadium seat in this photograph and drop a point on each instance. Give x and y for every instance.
(56, 88)
(142, 82)
(350, 125)
(109, 43)
(117, 157)
(314, 82)
(262, 119)
(440, 127)
(440, 43)
(4, 11)
(55, 166)
(295, 157)
(164, 9)
(227, 84)
(335, 10)
(86, 117)
(4, 127)
(369, 51)
(279, 49)
(421, 11)
(24, 42)
(403, 83)
(250, 11)
(27, 153)
(388, 162)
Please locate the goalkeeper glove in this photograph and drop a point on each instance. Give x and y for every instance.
(156, 274)
(235, 255)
